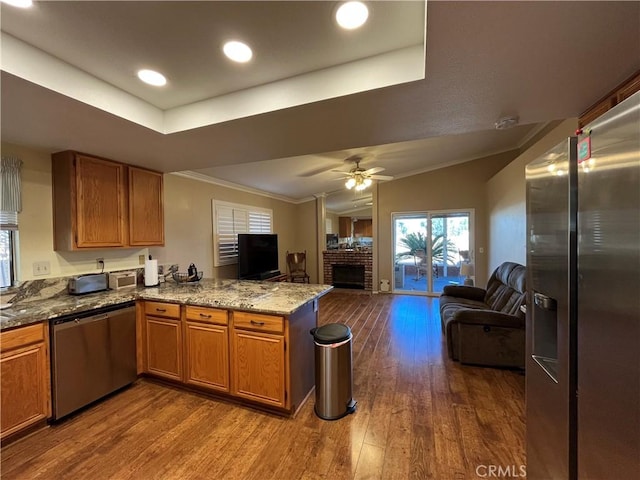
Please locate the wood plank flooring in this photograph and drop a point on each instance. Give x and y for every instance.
(419, 416)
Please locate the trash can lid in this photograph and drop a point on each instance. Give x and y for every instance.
(331, 333)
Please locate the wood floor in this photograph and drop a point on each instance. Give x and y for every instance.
(419, 416)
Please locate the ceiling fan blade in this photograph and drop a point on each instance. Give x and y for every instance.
(373, 170)
(312, 173)
(381, 177)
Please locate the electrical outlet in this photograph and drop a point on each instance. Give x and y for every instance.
(41, 268)
(141, 259)
(100, 263)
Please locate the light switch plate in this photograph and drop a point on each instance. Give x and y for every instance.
(41, 268)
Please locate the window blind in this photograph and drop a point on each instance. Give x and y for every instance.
(8, 220)
(10, 185)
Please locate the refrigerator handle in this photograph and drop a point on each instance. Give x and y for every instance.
(544, 302)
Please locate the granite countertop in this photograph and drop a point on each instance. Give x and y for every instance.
(279, 298)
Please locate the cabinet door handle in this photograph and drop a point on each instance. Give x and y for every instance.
(205, 316)
(259, 324)
(161, 309)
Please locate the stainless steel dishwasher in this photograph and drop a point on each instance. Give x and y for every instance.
(92, 355)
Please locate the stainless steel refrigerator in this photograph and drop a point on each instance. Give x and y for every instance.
(583, 307)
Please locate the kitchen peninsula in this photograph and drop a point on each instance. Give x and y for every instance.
(242, 340)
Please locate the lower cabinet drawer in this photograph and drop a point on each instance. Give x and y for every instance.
(258, 322)
(21, 336)
(161, 309)
(207, 315)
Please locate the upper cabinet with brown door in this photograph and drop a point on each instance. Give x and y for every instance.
(98, 203)
(345, 226)
(617, 95)
(363, 228)
(146, 217)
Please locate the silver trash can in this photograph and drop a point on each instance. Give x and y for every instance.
(334, 381)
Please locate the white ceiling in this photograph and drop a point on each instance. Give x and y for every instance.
(539, 60)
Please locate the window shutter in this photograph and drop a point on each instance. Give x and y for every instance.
(228, 221)
(225, 245)
(259, 222)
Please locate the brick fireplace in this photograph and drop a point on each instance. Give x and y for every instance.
(343, 259)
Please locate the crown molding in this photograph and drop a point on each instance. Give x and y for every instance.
(235, 186)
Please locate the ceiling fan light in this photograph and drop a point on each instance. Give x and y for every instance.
(367, 182)
(350, 183)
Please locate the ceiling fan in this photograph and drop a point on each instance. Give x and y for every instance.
(358, 178)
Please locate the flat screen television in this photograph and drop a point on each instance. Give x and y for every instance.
(257, 256)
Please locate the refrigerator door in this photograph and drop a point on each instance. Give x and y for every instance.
(608, 291)
(550, 362)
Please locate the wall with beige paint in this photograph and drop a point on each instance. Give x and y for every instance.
(307, 237)
(458, 187)
(333, 218)
(188, 225)
(506, 201)
(36, 225)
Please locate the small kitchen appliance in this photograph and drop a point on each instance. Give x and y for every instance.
(89, 283)
(122, 280)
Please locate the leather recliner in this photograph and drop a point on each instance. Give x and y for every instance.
(487, 326)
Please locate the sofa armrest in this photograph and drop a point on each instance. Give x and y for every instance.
(471, 293)
(487, 317)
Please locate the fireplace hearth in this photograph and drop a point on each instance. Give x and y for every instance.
(348, 276)
(349, 259)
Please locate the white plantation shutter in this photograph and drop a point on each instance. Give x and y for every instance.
(240, 221)
(230, 219)
(259, 222)
(225, 238)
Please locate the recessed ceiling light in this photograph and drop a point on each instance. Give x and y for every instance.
(19, 3)
(237, 51)
(152, 78)
(352, 15)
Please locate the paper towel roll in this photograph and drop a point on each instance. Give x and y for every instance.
(150, 273)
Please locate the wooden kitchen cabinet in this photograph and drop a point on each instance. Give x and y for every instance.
(163, 335)
(256, 358)
(99, 203)
(88, 202)
(206, 348)
(258, 362)
(363, 228)
(25, 378)
(146, 216)
(344, 227)
(619, 94)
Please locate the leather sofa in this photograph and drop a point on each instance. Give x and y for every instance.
(486, 326)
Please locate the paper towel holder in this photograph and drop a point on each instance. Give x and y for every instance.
(151, 273)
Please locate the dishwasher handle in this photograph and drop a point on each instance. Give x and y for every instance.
(80, 320)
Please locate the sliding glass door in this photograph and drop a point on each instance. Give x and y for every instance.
(425, 267)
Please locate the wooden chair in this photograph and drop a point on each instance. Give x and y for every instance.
(297, 267)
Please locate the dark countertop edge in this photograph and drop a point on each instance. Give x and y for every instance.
(140, 294)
